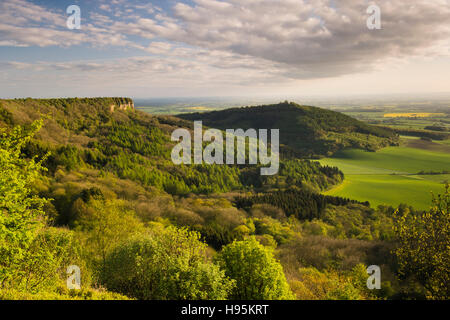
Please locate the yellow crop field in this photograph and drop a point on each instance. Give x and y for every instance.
(199, 108)
(412, 115)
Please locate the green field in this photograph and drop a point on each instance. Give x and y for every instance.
(435, 116)
(445, 142)
(389, 176)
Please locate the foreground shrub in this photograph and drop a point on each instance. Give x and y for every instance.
(169, 264)
(22, 219)
(424, 247)
(257, 273)
(316, 285)
(103, 225)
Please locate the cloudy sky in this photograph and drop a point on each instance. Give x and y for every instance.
(186, 48)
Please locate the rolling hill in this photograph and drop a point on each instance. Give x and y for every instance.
(305, 131)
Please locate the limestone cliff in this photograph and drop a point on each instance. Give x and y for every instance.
(121, 104)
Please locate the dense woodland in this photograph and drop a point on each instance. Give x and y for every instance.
(86, 184)
(303, 205)
(307, 132)
(431, 134)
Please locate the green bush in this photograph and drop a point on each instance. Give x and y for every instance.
(52, 251)
(423, 250)
(21, 215)
(316, 285)
(102, 225)
(258, 275)
(168, 265)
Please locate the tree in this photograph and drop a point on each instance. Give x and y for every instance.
(32, 255)
(104, 224)
(258, 275)
(51, 252)
(21, 212)
(424, 246)
(327, 285)
(170, 264)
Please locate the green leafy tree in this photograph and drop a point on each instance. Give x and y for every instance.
(170, 264)
(33, 257)
(330, 285)
(48, 257)
(104, 224)
(258, 275)
(424, 246)
(21, 212)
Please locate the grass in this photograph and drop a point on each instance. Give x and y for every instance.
(390, 160)
(417, 143)
(389, 176)
(444, 142)
(391, 189)
(400, 119)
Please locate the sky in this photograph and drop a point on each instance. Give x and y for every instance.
(202, 48)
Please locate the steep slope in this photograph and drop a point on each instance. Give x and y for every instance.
(305, 131)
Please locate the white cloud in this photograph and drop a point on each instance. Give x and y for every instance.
(11, 43)
(105, 7)
(314, 38)
(230, 41)
(197, 67)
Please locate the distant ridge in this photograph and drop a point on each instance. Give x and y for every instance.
(305, 131)
(62, 114)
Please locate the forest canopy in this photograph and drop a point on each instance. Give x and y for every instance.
(93, 186)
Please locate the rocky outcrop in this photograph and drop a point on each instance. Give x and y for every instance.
(122, 106)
